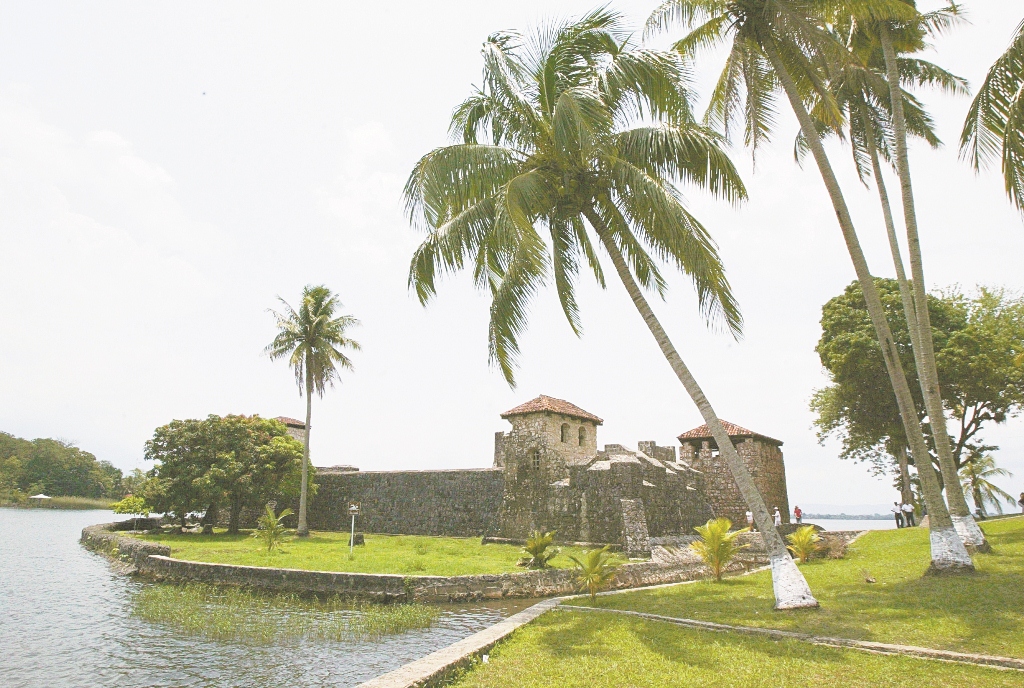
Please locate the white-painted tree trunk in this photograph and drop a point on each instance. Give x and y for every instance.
(788, 583)
(939, 516)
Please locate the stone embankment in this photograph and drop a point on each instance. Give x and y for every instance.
(153, 560)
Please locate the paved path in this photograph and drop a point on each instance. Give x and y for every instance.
(883, 648)
(437, 664)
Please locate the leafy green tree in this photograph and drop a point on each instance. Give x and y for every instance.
(717, 546)
(314, 340)
(786, 45)
(580, 135)
(133, 506)
(56, 467)
(184, 452)
(976, 477)
(994, 128)
(977, 339)
(595, 570)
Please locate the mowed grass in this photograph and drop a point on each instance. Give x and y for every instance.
(324, 551)
(983, 612)
(599, 650)
(260, 618)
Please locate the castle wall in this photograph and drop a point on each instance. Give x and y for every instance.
(766, 466)
(444, 502)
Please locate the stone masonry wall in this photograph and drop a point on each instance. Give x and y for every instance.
(460, 503)
(766, 466)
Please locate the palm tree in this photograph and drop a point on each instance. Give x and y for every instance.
(976, 477)
(784, 44)
(577, 128)
(907, 36)
(995, 123)
(313, 339)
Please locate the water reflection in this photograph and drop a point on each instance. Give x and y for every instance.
(65, 621)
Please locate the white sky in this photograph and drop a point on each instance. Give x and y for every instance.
(167, 170)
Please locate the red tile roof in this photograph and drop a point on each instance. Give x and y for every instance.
(552, 405)
(291, 422)
(703, 433)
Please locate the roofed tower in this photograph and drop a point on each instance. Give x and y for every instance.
(546, 430)
(762, 456)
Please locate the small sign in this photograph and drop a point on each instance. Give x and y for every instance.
(353, 508)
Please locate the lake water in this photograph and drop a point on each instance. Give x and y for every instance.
(65, 620)
(853, 523)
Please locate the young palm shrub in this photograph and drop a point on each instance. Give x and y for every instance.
(717, 546)
(537, 547)
(271, 530)
(595, 570)
(804, 542)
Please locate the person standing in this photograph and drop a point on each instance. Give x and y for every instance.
(799, 514)
(750, 517)
(778, 517)
(1020, 502)
(897, 512)
(908, 515)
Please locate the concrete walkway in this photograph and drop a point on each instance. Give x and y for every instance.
(437, 664)
(883, 648)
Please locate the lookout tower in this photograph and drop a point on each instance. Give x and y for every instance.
(762, 456)
(547, 433)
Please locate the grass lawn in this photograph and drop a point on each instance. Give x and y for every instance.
(981, 613)
(563, 649)
(323, 551)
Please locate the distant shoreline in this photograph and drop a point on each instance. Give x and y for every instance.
(850, 517)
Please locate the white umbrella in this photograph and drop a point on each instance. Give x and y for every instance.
(39, 496)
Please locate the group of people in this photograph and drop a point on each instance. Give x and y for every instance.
(904, 514)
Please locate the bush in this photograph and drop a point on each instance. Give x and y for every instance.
(537, 547)
(717, 546)
(595, 570)
(804, 542)
(271, 529)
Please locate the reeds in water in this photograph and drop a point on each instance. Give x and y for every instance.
(241, 615)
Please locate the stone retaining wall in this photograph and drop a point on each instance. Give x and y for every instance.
(153, 560)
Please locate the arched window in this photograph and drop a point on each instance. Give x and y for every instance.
(536, 459)
(583, 435)
(565, 432)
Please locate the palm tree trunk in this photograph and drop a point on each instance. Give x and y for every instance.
(788, 583)
(924, 355)
(303, 529)
(906, 493)
(948, 552)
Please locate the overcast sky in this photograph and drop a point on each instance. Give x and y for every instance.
(168, 169)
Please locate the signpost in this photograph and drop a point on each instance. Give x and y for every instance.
(353, 510)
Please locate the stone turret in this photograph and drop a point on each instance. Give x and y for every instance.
(762, 456)
(296, 428)
(547, 433)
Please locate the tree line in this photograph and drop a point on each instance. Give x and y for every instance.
(54, 467)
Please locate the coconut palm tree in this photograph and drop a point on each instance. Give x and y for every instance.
(784, 44)
(313, 339)
(908, 35)
(995, 123)
(976, 477)
(580, 135)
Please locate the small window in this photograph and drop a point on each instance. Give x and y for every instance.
(583, 435)
(536, 459)
(565, 432)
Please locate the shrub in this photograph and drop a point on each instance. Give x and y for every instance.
(804, 542)
(271, 529)
(595, 570)
(133, 506)
(717, 546)
(537, 547)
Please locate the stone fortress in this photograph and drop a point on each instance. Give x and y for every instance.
(548, 474)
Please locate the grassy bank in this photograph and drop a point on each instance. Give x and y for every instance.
(239, 615)
(58, 503)
(400, 554)
(982, 613)
(609, 651)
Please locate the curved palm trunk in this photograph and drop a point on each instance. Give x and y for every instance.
(924, 348)
(788, 583)
(303, 529)
(948, 552)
